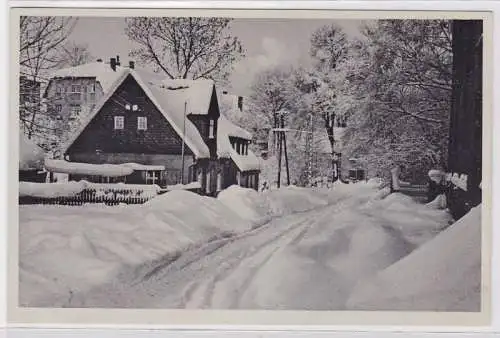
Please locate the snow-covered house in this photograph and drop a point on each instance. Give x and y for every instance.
(75, 90)
(154, 130)
(31, 159)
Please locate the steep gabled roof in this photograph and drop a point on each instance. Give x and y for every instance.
(166, 103)
(224, 149)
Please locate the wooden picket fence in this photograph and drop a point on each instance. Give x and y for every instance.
(109, 196)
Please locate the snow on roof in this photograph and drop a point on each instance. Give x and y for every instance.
(177, 92)
(108, 170)
(169, 101)
(100, 70)
(175, 103)
(31, 156)
(225, 150)
(226, 127)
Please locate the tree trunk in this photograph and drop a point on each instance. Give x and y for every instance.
(465, 139)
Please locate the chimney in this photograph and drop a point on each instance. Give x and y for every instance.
(112, 63)
(99, 60)
(240, 103)
(118, 60)
(131, 64)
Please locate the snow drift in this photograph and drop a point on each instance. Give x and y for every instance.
(442, 275)
(64, 251)
(248, 203)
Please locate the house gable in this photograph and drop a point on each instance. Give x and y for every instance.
(202, 123)
(100, 134)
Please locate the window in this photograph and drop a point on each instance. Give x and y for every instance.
(92, 88)
(211, 129)
(119, 122)
(142, 123)
(58, 91)
(153, 177)
(76, 109)
(75, 88)
(58, 108)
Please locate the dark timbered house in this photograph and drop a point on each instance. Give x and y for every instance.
(163, 132)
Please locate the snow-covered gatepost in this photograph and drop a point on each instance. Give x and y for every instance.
(395, 179)
(436, 184)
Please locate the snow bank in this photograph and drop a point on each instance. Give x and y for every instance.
(442, 275)
(64, 251)
(65, 189)
(289, 200)
(247, 203)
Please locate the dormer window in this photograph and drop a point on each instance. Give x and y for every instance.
(211, 129)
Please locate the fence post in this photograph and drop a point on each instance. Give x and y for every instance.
(395, 179)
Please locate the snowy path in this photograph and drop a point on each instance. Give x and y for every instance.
(263, 268)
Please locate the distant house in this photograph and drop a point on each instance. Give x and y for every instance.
(31, 160)
(76, 90)
(158, 131)
(29, 91)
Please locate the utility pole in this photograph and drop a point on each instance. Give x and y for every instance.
(281, 136)
(286, 152)
(278, 135)
(183, 146)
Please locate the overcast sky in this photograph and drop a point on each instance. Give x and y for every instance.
(267, 42)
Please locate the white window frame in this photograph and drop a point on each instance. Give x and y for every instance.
(119, 122)
(142, 123)
(76, 86)
(151, 175)
(76, 109)
(211, 129)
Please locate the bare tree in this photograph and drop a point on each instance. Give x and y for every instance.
(41, 39)
(185, 47)
(74, 54)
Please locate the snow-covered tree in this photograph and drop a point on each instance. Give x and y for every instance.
(398, 78)
(185, 47)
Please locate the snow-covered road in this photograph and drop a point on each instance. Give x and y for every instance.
(309, 260)
(353, 247)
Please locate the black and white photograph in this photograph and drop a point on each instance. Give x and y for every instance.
(205, 162)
